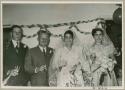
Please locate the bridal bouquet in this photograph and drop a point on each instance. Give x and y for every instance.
(107, 63)
(87, 78)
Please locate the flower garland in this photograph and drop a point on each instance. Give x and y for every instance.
(70, 24)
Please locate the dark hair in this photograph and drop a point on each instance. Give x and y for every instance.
(97, 29)
(69, 32)
(45, 32)
(16, 26)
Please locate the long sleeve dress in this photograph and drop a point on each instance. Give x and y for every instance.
(67, 76)
(102, 65)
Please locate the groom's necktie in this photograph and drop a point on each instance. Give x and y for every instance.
(17, 47)
(44, 52)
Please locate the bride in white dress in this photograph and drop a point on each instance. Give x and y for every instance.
(102, 59)
(69, 67)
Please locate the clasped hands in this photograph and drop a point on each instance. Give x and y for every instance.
(40, 69)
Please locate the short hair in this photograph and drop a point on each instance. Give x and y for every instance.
(43, 32)
(69, 32)
(16, 26)
(97, 29)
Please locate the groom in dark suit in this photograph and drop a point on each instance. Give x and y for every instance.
(37, 60)
(14, 57)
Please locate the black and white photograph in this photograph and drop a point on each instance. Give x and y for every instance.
(62, 45)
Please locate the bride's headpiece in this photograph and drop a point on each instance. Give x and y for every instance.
(106, 40)
(76, 40)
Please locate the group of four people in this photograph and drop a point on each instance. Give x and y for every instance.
(69, 65)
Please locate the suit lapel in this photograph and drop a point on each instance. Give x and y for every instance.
(40, 52)
(12, 47)
(11, 44)
(47, 51)
(43, 57)
(20, 49)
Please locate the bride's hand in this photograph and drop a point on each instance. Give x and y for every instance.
(73, 69)
(62, 63)
(105, 66)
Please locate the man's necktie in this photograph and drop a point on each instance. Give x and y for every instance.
(17, 47)
(44, 52)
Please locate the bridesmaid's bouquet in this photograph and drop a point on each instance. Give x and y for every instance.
(87, 78)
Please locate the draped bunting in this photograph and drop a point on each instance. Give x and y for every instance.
(46, 26)
(81, 28)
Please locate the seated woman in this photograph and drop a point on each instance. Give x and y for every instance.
(68, 63)
(102, 59)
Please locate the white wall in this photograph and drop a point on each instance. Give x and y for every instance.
(52, 14)
(55, 13)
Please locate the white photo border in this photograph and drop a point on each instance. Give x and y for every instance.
(61, 2)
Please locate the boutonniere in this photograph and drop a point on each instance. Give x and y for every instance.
(25, 46)
(51, 51)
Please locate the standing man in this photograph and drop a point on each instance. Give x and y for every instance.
(37, 60)
(14, 56)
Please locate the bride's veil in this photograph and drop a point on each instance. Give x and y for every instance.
(53, 71)
(76, 41)
(106, 39)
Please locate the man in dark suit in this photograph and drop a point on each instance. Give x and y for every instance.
(37, 60)
(14, 56)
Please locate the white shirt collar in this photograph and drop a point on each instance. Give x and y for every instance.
(14, 43)
(41, 48)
